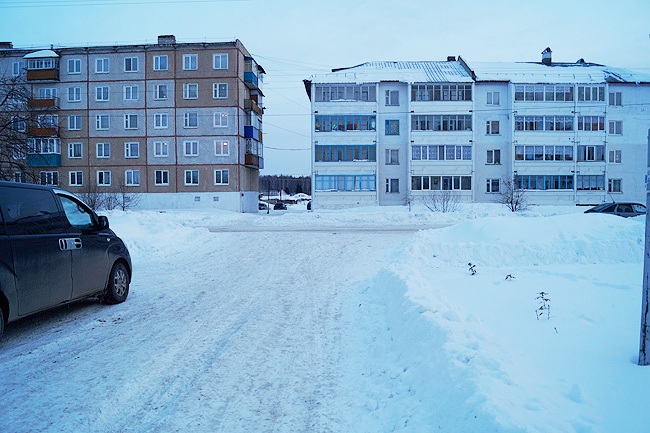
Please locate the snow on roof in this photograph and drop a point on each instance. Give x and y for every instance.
(41, 54)
(409, 72)
(579, 72)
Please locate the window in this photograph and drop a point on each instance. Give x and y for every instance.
(161, 177)
(132, 177)
(132, 150)
(74, 94)
(441, 153)
(130, 93)
(74, 122)
(492, 127)
(591, 123)
(543, 123)
(544, 182)
(160, 92)
(492, 186)
(16, 69)
(221, 177)
(131, 64)
(615, 156)
(190, 91)
(191, 120)
(614, 185)
(615, 98)
(220, 90)
(392, 156)
(160, 149)
(20, 177)
(221, 148)
(441, 92)
(548, 92)
(74, 150)
(392, 127)
(359, 182)
(392, 185)
(190, 62)
(493, 98)
(345, 152)
(160, 63)
(441, 122)
(591, 93)
(191, 148)
(76, 178)
(74, 66)
(160, 120)
(101, 66)
(437, 183)
(102, 93)
(494, 156)
(220, 120)
(220, 61)
(49, 177)
(102, 122)
(103, 150)
(48, 120)
(191, 177)
(104, 178)
(349, 122)
(130, 121)
(615, 127)
(18, 124)
(43, 145)
(349, 92)
(392, 97)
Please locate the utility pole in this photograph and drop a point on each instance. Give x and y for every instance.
(644, 347)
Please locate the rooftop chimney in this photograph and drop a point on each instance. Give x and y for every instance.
(6, 45)
(451, 58)
(166, 40)
(546, 56)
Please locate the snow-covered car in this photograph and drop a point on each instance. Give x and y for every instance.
(55, 250)
(620, 209)
(279, 206)
(262, 206)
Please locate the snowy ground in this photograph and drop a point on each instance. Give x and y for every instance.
(363, 320)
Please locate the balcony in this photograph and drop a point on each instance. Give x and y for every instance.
(42, 65)
(254, 161)
(44, 160)
(51, 103)
(251, 81)
(250, 104)
(252, 132)
(43, 131)
(43, 74)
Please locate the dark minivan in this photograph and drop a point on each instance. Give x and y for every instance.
(54, 250)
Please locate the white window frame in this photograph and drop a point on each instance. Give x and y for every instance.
(102, 93)
(130, 64)
(190, 62)
(493, 157)
(191, 120)
(131, 92)
(190, 91)
(221, 148)
(74, 66)
(75, 178)
(157, 92)
(164, 178)
(130, 121)
(218, 62)
(392, 98)
(103, 178)
(220, 90)
(390, 185)
(16, 69)
(160, 149)
(102, 65)
(492, 127)
(220, 180)
(493, 98)
(191, 148)
(392, 157)
(49, 177)
(615, 156)
(105, 150)
(102, 122)
(131, 150)
(161, 121)
(615, 185)
(75, 150)
(74, 94)
(615, 127)
(616, 99)
(132, 177)
(158, 63)
(192, 182)
(75, 122)
(489, 185)
(220, 119)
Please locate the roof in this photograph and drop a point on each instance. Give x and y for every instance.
(409, 72)
(579, 72)
(41, 54)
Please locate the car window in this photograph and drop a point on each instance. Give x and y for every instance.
(638, 208)
(76, 213)
(30, 211)
(609, 208)
(624, 208)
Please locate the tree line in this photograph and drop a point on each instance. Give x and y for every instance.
(289, 184)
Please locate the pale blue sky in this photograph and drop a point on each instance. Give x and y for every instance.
(294, 39)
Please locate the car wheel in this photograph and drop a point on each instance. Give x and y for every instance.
(117, 288)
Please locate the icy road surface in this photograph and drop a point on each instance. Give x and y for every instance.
(222, 332)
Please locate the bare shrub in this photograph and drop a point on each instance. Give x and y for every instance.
(442, 201)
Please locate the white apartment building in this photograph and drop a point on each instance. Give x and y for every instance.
(389, 132)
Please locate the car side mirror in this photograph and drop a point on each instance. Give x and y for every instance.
(102, 222)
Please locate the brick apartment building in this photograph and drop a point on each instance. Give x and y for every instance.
(180, 124)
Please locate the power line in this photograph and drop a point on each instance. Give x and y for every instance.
(66, 3)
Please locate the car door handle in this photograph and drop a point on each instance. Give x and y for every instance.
(66, 244)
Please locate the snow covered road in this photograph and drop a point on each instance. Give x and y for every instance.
(226, 332)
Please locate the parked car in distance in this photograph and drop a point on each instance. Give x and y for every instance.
(55, 250)
(279, 206)
(309, 205)
(620, 209)
(262, 206)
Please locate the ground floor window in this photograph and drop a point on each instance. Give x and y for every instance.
(345, 182)
(492, 185)
(49, 177)
(544, 182)
(161, 177)
(392, 185)
(590, 182)
(437, 183)
(76, 178)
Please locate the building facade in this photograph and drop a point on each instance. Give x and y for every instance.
(389, 133)
(178, 124)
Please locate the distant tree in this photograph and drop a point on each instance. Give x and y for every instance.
(512, 197)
